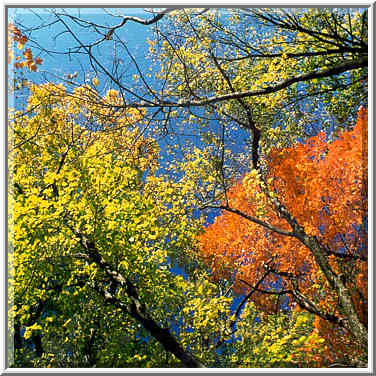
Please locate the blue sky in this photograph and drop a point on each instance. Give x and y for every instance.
(134, 35)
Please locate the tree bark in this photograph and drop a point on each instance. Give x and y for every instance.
(354, 324)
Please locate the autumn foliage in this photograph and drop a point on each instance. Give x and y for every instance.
(15, 37)
(114, 169)
(324, 186)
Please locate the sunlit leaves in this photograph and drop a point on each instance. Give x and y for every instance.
(81, 164)
(281, 340)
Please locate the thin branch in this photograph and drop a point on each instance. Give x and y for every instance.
(268, 292)
(341, 50)
(347, 256)
(295, 26)
(142, 21)
(303, 301)
(252, 219)
(241, 304)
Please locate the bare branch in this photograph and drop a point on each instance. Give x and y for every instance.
(346, 255)
(142, 21)
(268, 292)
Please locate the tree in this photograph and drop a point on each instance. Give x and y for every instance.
(91, 243)
(299, 228)
(230, 90)
(238, 80)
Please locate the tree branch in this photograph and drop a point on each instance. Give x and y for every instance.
(336, 51)
(142, 21)
(241, 304)
(347, 66)
(346, 256)
(136, 308)
(301, 299)
(281, 292)
(252, 219)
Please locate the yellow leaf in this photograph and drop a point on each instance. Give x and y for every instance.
(28, 333)
(67, 322)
